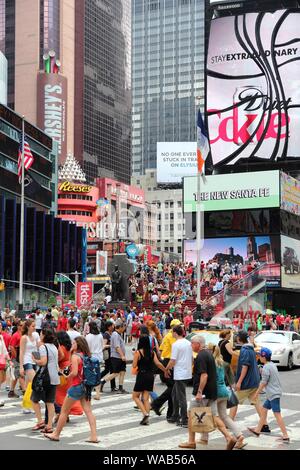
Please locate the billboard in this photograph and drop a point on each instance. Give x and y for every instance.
(253, 87)
(84, 293)
(240, 250)
(101, 263)
(52, 92)
(290, 262)
(176, 160)
(234, 191)
(290, 194)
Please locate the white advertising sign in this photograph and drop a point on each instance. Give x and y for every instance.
(253, 87)
(176, 160)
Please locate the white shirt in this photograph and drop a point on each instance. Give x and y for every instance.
(182, 353)
(95, 343)
(73, 334)
(155, 298)
(31, 346)
(38, 321)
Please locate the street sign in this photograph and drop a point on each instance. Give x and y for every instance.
(60, 278)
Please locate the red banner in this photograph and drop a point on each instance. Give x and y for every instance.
(84, 293)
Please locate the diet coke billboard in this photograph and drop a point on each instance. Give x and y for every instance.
(253, 87)
(84, 293)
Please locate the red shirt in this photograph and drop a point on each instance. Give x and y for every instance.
(187, 320)
(15, 342)
(78, 379)
(6, 338)
(62, 324)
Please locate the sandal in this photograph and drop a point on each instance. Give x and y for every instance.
(51, 437)
(253, 432)
(38, 426)
(47, 430)
(92, 442)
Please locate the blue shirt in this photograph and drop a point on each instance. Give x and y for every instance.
(221, 386)
(247, 357)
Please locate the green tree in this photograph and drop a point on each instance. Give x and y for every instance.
(51, 300)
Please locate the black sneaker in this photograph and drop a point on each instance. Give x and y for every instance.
(172, 420)
(156, 410)
(122, 392)
(12, 394)
(265, 428)
(145, 421)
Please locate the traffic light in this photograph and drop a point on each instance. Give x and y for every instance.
(2, 286)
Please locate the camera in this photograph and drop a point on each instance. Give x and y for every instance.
(66, 370)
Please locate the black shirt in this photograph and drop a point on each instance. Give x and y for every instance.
(205, 364)
(168, 322)
(107, 336)
(226, 356)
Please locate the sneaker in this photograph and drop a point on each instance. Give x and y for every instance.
(2, 404)
(122, 392)
(26, 411)
(265, 428)
(172, 420)
(12, 394)
(157, 410)
(145, 421)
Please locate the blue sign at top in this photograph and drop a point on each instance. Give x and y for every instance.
(102, 202)
(132, 250)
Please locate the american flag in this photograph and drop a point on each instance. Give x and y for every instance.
(28, 157)
(202, 143)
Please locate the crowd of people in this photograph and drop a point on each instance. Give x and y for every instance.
(60, 344)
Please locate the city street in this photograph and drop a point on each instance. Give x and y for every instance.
(118, 425)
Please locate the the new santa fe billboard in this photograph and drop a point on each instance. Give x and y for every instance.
(253, 87)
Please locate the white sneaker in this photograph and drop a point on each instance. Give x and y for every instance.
(26, 411)
(2, 404)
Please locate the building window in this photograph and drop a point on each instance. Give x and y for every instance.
(179, 204)
(179, 249)
(171, 249)
(166, 204)
(171, 204)
(166, 216)
(172, 216)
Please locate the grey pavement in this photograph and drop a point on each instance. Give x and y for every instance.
(119, 429)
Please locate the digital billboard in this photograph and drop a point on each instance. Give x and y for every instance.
(290, 262)
(290, 194)
(234, 191)
(244, 250)
(253, 87)
(176, 160)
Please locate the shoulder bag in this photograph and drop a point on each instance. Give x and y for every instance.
(41, 380)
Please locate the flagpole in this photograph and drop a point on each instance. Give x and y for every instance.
(21, 272)
(198, 235)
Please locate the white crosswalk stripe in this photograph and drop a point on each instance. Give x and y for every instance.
(118, 427)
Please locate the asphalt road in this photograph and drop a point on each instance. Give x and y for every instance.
(118, 424)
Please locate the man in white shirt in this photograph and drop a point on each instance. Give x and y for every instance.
(71, 331)
(182, 362)
(154, 299)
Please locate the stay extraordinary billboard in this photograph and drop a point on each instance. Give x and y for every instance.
(253, 87)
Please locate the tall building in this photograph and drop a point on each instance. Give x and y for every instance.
(103, 88)
(168, 74)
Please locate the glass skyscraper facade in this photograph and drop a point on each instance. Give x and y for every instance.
(168, 74)
(7, 44)
(103, 88)
(49, 28)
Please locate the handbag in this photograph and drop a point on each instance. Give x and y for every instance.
(41, 380)
(2, 362)
(232, 399)
(202, 419)
(26, 398)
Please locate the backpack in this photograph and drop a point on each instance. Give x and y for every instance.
(91, 371)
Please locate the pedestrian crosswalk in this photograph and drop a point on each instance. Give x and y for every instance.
(118, 428)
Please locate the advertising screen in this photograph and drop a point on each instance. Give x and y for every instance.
(242, 251)
(290, 194)
(176, 160)
(235, 191)
(253, 87)
(290, 262)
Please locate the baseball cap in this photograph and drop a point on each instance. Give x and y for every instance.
(175, 322)
(265, 352)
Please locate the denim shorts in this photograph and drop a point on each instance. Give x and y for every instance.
(29, 366)
(273, 405)
(76, 392)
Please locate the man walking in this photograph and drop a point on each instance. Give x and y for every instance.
(118, 358)
(182, 362)
(247, 377)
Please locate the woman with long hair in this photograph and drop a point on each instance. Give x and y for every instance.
(76, 392)
(48, 358)
(227, 353)
(144, 360)
(223, 420)
(64, 362)
(29, 343)
(95, 341)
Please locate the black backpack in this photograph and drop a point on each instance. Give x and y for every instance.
(41, 380)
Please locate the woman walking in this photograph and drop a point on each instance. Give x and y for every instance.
(76, 392)
(227, 352)
(64, 363)
(3, 357)
(144, 360)
(223, 420)
(48, 358)
(95, 342)
(29, 343)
